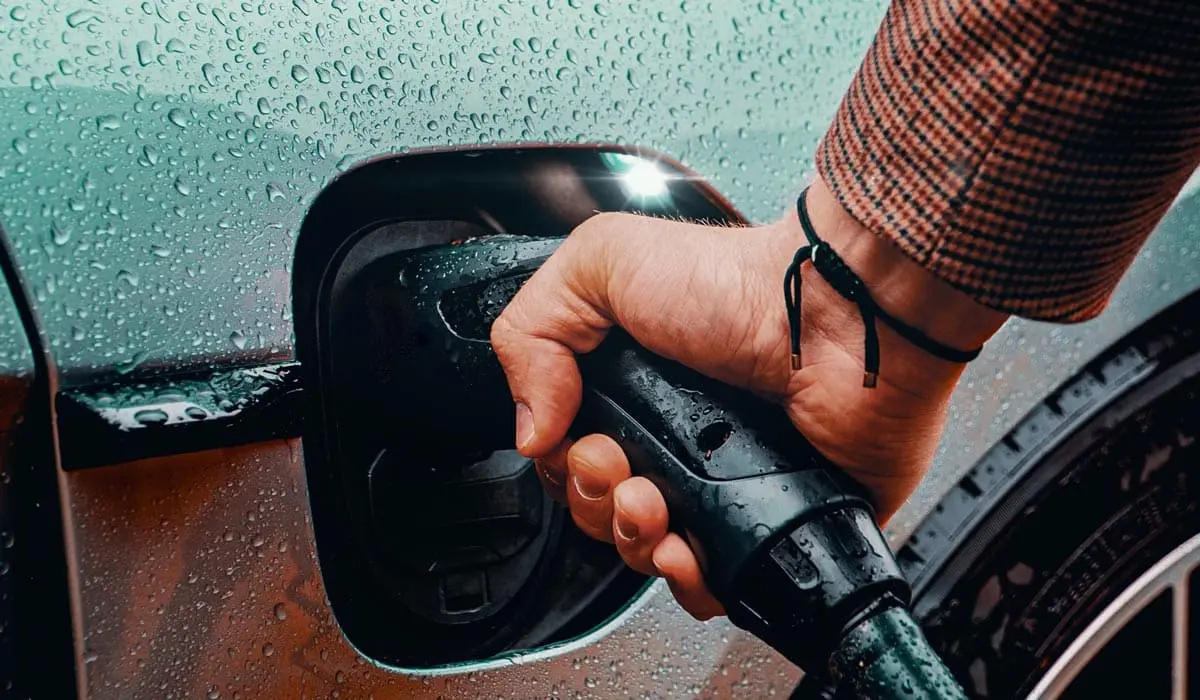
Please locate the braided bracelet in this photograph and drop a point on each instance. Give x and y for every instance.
(848, 284)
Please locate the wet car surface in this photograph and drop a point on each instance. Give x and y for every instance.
(156, 160)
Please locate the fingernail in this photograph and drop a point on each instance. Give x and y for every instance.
(626, 528)
(654, 559)
(590, 486)
(524, 425)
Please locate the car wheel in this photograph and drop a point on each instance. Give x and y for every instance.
(1073, 543)
(1063, 565)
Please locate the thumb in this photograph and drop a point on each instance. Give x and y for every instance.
(556, 315)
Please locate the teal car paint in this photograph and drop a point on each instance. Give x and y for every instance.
(157, 159)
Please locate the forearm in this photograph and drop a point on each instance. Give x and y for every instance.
(1020, 152)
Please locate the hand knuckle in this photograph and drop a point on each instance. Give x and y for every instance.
(590, 236)
(593, 225)
(503, 335)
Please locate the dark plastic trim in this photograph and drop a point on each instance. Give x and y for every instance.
(43, 661)
(165, 415)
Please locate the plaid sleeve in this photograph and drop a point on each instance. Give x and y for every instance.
(1021, 150)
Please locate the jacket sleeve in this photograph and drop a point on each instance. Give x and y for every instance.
(1021, 150)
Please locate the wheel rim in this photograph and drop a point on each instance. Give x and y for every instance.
(1171, 573)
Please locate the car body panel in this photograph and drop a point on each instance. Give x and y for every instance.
(16, 365)
(198, 577)
(156, 160)
(158, 157)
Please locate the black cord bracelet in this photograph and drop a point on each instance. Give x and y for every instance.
(848, 284)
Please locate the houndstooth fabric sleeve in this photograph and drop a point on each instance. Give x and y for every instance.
(1021, 150)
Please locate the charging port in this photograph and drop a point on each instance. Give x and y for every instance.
(436, 541)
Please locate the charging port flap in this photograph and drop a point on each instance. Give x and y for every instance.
(437, 543)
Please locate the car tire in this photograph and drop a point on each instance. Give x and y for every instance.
(1090, 490)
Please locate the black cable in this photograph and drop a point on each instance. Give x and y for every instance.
(848, 284)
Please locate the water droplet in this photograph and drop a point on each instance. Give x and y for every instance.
(238, 339)
(274, 191)
(58, 234)
(151, 416)
(174, 46)
(196, 413)
(20, 145)
(182, 187)
(178, 117)
(128, 278)
(258, 541)
(108, 122)
(18, 13)
(386, 73)
(259, 48)
(264, 107)
(145, 53)
(80, 17)
(133, 362)
(280, 611)
(268, 649)
(299, 73)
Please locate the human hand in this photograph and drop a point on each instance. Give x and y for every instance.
(711, 298)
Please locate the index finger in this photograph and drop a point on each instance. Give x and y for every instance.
(537, 336)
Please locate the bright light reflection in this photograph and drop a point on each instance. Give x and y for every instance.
(644, 179)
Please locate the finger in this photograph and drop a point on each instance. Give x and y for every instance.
(639, 522)
(536, 338)
(676, 563)
(552, 471)
(596, 465)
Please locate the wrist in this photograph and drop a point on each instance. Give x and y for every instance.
(898, 284)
